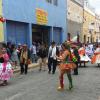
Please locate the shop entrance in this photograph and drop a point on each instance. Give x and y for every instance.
(40, 34)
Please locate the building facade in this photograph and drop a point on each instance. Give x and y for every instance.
(97, 28)
(33, 20)
(88, 35)
(75, 17)
(1, 23)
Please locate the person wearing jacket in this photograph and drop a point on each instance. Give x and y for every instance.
(52, 58)
(42, 57)
(24, 59)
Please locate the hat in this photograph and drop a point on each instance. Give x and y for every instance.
(24, 45)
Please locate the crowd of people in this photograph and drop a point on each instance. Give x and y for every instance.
(67, 57)
(12, 56)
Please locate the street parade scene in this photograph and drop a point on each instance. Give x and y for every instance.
(50, 50)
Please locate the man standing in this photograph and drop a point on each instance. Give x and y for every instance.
(52, 60)
(24, 59)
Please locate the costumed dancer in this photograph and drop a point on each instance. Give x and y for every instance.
(6, 71)
(65, 66)
(83, 56)
(96, 56)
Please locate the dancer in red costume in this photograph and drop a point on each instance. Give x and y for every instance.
(65, 66)
(96, 56)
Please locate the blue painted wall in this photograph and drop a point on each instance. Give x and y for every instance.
(24, 11)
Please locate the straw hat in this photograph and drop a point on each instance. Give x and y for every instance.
(24, 45)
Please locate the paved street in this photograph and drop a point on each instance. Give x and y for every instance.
(41, 86)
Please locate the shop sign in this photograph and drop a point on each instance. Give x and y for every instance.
(41, 16)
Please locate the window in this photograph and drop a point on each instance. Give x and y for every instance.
(55, 2)
(84, 38)
(49, 1)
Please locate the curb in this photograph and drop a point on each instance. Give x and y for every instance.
(29, 67)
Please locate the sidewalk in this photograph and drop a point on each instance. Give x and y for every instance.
(33, 65)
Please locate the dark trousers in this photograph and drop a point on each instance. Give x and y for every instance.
(98, 65)
(53, 63)
(24, 68)
(76, 69)
(84, 64)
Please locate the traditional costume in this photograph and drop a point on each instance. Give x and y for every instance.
(6, 71)
(83, 56)
(65, 67)
(96, 56)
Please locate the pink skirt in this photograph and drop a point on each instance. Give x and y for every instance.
(7, 73)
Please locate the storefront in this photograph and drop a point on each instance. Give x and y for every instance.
(40, 34)
(34, 22)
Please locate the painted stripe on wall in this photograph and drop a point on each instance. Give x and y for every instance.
(1, 24)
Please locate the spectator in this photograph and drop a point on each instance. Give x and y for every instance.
(14, 56)
(33, 53)
(52, 60)
(24, 59)
(42, 56)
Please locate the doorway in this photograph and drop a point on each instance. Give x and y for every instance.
(40, 34)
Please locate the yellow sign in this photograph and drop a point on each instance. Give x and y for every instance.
(41, 16)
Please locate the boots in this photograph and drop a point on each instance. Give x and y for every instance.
(70, 81)
(61, 87)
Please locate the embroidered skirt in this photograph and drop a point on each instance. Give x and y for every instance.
(85, 58)
(95, 59)
(68, 66)
(7, 73)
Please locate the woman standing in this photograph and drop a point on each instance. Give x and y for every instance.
(5, 68)
(14, 56)
(65, 66)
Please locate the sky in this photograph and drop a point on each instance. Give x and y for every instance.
(96, 5)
